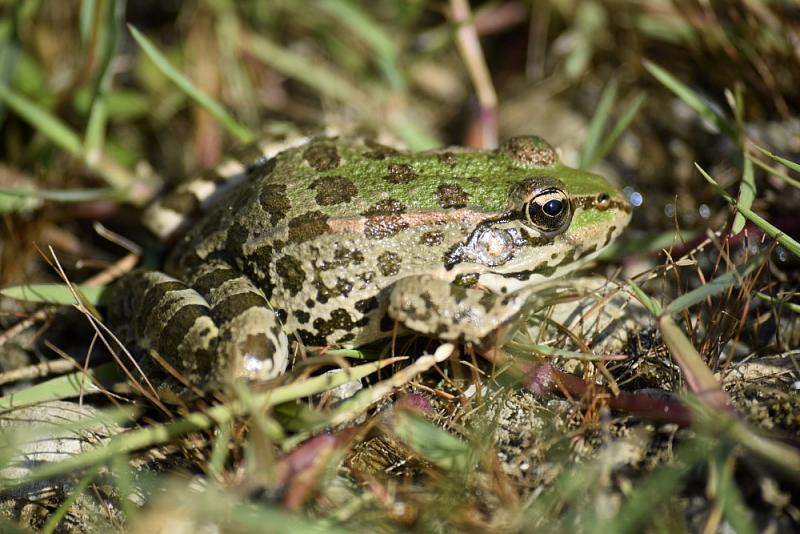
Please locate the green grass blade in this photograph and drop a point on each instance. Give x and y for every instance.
(56, 517)
(776, 172)
(773, 231)
(621, 125)
(712, 287)
(432, 442)
(691, 99)
(53, 293)
(240, 132)
(63, 387)
(361, 23)
(594, 137)
(98, 116)
(728, 495)
(43, 121)
(652, 306)
(320, 77)
(524, 349)
(86, 19)
(647, 244)
(747, 192)
(64, 195)
(775, 301)
(14, 200)
(783, 161)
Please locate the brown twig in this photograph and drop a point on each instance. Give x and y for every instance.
(471, 51)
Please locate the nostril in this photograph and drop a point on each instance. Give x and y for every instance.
(603, 201)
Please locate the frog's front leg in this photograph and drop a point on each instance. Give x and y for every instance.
(213, 328)
(440, 309)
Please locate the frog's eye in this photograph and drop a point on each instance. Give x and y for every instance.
(548, 211)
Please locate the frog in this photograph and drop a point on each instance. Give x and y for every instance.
(341, 241)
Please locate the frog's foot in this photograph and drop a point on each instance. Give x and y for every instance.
(447, 311)
(217, 328)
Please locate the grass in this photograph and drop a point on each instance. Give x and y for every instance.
(101, 102)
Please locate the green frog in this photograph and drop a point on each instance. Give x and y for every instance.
(342, 241)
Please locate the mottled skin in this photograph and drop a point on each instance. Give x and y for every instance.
(347, 240)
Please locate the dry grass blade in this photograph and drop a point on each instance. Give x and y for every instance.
(470, 47)
(698, 376)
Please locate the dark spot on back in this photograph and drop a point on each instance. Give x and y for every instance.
(432, 238)
(384, 219)
(274, 201)
(366, 305)
(466, 279)
(386, 323)
(311, 339)
(448, 158)
(291, 271)
(378, 151)
(332, 190)
(458, 293)
(389, 263)
(451, 196)
(340, 320)
(301, 316)
(237, 236)
(321, 156)
(400, 173)
(308, 226)
(261, 257)
(487, 300)
(325, 293)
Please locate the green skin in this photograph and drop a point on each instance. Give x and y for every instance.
(347, 241)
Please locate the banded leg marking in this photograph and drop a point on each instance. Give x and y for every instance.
(158, 312)
(253, 344)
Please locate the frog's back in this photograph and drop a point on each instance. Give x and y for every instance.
(324, 227)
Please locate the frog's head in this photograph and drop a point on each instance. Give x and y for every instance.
(556, 218)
